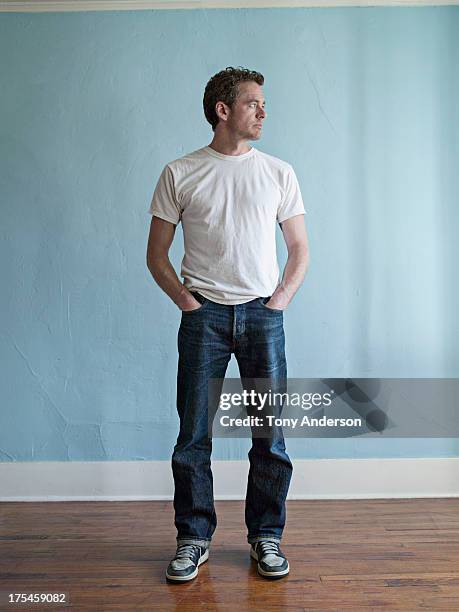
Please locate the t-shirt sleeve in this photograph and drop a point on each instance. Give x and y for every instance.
(292, 201)
(164, 203)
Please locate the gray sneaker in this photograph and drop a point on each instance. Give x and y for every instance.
(272, 562)
(184, 566)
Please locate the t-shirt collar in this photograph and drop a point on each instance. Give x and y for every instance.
(233, 158)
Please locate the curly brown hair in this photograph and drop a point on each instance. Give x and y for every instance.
(224, 87)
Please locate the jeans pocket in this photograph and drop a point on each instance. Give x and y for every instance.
(204, 302)
(263, 301)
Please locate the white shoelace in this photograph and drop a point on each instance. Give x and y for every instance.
(185, 555)
(268, 547)
(269, 553)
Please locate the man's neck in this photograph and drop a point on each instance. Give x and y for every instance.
(227, 146)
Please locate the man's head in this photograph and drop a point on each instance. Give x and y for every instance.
(233, 101)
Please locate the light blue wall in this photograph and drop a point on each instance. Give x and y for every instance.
(363, 104)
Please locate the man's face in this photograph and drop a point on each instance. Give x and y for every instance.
(248, 113)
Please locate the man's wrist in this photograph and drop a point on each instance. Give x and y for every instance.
(184, 299)
(280, 298)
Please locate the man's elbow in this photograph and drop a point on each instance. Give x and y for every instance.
(305, 264)
(158, 263)
(153, 263)
(302, 258)
(306, 259)
(300, 252)
(150, 261)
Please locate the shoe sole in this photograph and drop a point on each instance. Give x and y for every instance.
(204, 558)
(262, 572)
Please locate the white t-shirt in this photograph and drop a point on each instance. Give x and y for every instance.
(229, 206)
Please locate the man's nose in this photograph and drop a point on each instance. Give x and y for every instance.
(261, 112)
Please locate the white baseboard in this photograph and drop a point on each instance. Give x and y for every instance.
(152, 480)
(46, 6)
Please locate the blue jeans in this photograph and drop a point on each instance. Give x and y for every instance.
(207, 337)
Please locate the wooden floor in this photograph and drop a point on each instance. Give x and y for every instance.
(344, 555)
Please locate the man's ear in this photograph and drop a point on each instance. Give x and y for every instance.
(223, 109)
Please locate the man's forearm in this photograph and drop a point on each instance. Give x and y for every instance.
(164, 274)
(292, 278)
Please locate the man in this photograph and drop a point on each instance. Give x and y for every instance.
(228, 196)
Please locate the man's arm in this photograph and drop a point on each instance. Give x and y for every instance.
(296, 239)
(159, 241)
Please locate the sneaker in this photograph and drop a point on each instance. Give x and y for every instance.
(184, 566)
(272, 562)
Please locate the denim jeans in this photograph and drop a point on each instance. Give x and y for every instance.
(207, 337)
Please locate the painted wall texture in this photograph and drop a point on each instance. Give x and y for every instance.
(363, 104)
